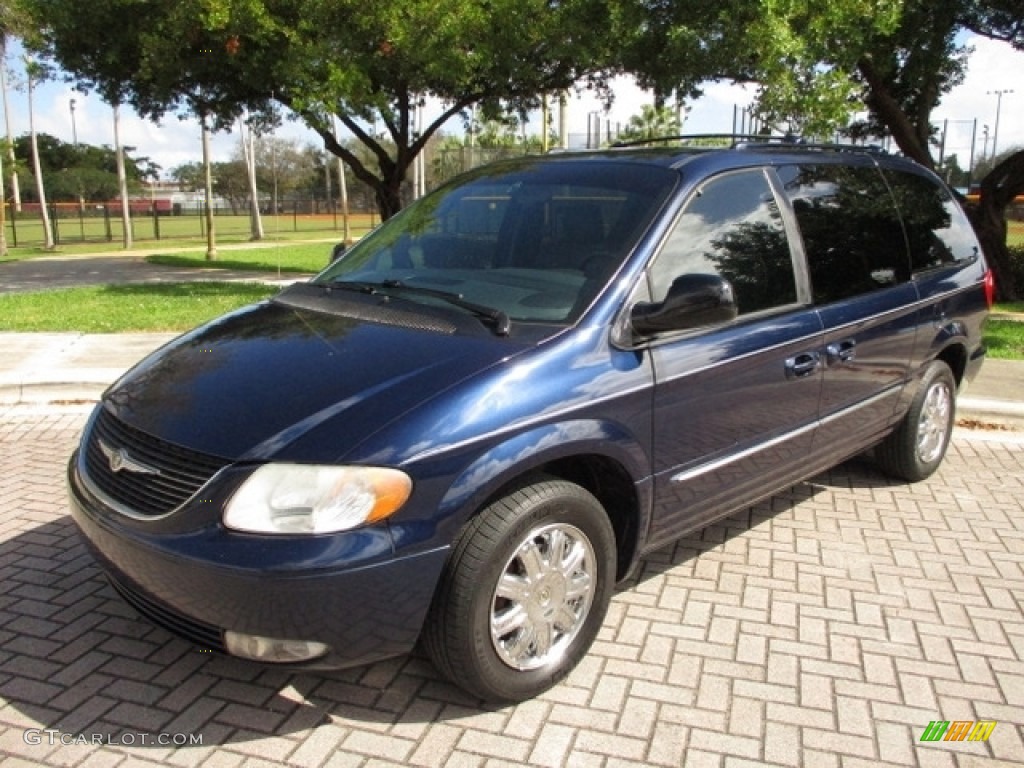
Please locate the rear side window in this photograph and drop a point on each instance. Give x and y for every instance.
(851, 229)
(732, 228)
(938, 232)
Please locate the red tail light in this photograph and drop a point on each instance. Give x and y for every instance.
(990, 288)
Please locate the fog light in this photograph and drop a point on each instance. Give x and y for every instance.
(272, 649)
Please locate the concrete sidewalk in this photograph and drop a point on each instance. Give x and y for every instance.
(41, 368)
(996, 396)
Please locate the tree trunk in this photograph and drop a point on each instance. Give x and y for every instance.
(48, 241)
(211, 235)
(998, 189)
(389, 194)
(387, 184)
(881, 101)
(249, 153)
(3, 211)
(122, 181)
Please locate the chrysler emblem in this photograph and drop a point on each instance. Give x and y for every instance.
(120, 459)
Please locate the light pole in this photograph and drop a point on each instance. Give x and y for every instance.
(594, 122)
(999, 105)
(74, 128)
(81, 197)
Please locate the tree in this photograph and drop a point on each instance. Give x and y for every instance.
(247, 145)
(816, 62)
(33, 73)
(284, 167)
(652, 122)
(229, 181)
(82, 171)
(797, 53)
(369, 64)
(986, 165)
(904, 75)
(11, 21)
(950, 170)
(188, 176)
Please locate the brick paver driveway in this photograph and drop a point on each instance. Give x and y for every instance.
(827, 627)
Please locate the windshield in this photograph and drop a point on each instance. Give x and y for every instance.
(533, 241)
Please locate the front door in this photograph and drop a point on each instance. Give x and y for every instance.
(735, 407)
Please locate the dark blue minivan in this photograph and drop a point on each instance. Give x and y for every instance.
(476, 421)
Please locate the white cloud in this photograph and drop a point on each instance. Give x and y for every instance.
(712, 113)
(993, 66)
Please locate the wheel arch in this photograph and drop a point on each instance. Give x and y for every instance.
(601, 458)
(950, 345)
(611, 485)
(955, 356)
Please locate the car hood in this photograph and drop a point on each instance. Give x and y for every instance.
(252, 384)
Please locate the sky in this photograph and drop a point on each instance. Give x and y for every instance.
(992, 67)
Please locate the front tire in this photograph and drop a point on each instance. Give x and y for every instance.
(524, 593)
(916, 449)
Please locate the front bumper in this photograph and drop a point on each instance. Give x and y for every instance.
(337, 590)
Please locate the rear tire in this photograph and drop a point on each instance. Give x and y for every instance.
(524, 593)
(916, 449)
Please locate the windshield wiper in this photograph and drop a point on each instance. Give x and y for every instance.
(354, 285)
(497, 318)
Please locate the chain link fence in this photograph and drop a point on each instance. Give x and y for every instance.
(154, 221)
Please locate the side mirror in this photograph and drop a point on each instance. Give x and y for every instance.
(693, 301)
(337, 252)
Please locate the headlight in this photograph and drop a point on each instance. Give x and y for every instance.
(302, 498)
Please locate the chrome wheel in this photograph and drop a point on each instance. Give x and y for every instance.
(933, 427)
(524, 592)
(543, 597)
(914, 450)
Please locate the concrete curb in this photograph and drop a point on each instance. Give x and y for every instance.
(41, 368)
(1002, 412)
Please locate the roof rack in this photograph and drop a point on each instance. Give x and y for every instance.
(748, 141)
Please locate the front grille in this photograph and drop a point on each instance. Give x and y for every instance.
(204, 635)
(177, 473)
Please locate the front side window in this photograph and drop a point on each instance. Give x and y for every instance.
(535, 240)
(851, 230)
(731, 228)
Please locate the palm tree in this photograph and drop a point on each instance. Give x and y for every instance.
(248, 142)
(5, 24)
(122, 180)
(3, 203)
(34, 71)
(652, 122)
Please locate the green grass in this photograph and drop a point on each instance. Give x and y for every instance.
(224, 245)
(121, 308)
(1015, 233)
(1005, 339)
(284, 257)
(170, 233)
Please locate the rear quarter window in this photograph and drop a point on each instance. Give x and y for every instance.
(937, 230)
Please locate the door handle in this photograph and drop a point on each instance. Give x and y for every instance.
(841, 351)
(802, 365)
